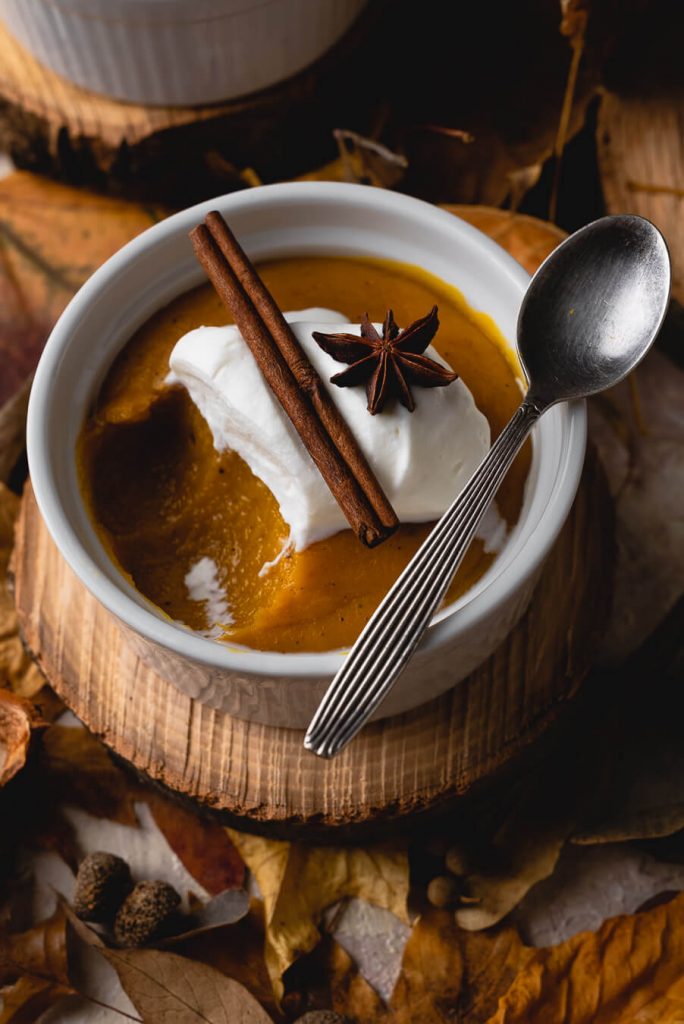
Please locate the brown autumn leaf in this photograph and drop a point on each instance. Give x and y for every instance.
(17, 670)
(628, 970)
(17, 718)
(447, 975)
(447, 971)
(40, 952)
(521, 849)
(297, 882)
(238, 951)
(327, 978)
(51, 240)
(27, 999)
(638, 427)
(594, 883)
(199, 841)
(77, 769)
(166, 987)
(70, 767)
(528, 239)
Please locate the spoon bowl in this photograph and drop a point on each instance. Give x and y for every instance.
(593, 308)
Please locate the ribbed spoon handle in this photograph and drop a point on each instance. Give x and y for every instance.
(397, 625)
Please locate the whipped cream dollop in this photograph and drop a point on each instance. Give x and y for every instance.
(421, 459)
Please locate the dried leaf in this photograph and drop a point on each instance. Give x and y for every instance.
(367, 161)
(590, 885)
(447, 974)
(28, 999)
(448, 971)
(575, 16)
(375, 939)
(79, 770)
(523, 849)
(298, 882)
(499, 847)
(17, 718)
(91, 976)
(165, 987)
(328, 978)
(40, 952)
(629, 970)
(227, 908)
(17, 670)
(238, 951)
(492, 896)
(638, 428)
(528, 239)
(199, 841)
(51, 240)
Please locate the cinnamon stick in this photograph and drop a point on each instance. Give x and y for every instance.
(248, 309)
(302, 370)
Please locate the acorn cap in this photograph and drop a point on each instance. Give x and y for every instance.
(146, 914)
(102, 884)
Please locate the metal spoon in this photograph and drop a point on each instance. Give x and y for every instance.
(589, 316)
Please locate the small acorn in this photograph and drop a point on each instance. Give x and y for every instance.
(146, 914)
(102, 884)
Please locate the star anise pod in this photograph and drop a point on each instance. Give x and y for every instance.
(390, 362)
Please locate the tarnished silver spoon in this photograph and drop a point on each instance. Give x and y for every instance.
(589, 316)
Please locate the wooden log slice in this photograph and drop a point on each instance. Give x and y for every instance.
(262, 775)
(181, 154)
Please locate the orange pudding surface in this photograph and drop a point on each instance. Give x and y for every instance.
(162, 498)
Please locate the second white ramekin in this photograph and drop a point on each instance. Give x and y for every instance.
(178, 52)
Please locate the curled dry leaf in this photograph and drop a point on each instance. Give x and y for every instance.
(201, 843)
(298, 882)
(165, 987)
(501, 848)
(28, 998)
(528, 857)
(361, 160)
(369, 162)
(40, 952)
(17, 718)
(629, 970)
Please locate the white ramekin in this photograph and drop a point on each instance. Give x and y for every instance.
(178, 52)
(272, 221)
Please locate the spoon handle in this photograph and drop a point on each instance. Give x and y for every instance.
(394, 630)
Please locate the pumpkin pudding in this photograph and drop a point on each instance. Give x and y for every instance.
(208, 502)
